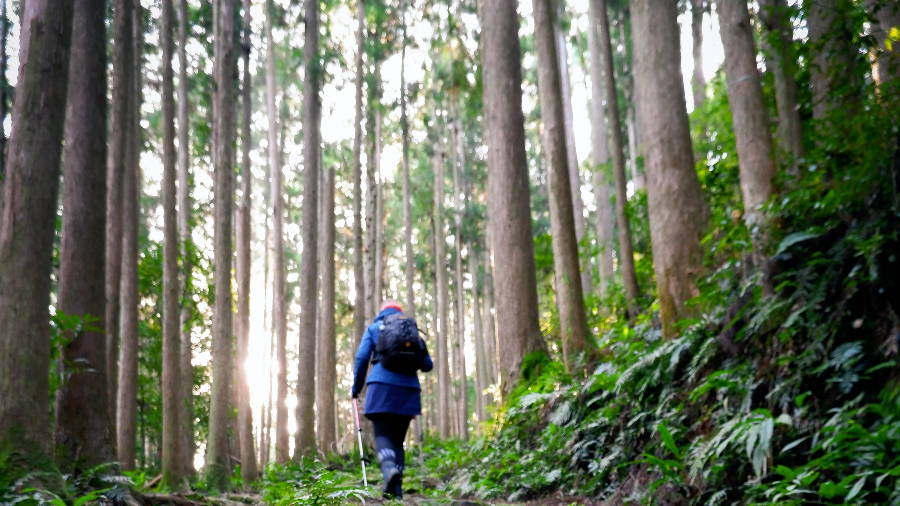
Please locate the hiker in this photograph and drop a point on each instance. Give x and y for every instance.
(393, 397)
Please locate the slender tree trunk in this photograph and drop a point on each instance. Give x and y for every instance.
(171, 346)
(123, 63)
(626, 250)
(750, 120)
(305, 443)
(379, 218)
(407, 189)
(444, 384)
(186, 390)
(372, 167)
(600, 152)
(698, 81)
(83, 436)
(887, 15)
(217, 464)
(4, 84)
(571, 154)
(832, 70)
(327, 350)
(279, 293)
(777, 39)
(569, 296)
(127, 406)
(490, 337)
(675, 201)
(244, 260)
(509, 199)
(481, 362)
(459, 292)
(637, 174)
(359, 311)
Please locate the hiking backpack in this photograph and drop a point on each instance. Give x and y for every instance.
(400, 348)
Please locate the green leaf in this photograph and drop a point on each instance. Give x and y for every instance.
(856, 488)
(668, 440)
(793, 444)
(793, 239)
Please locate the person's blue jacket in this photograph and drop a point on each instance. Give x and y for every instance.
(379, 374)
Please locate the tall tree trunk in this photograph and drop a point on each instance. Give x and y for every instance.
(481, 363)
(244, 260)
(379, 217)
(122, 73)
(327, 350)
(571, 154)
(600, 153)
(675, 201)
(626, 250)
(777, 39)
(832, 70)
(279, 293)
(698, 81)
(127, 406)
(407, 189)
(569, 295)
(186, 390)
(359, 309)
(217, 464)
(305, 444)
(171, 347)
(750, 121)
(490, 337)
(30, 190)
(4, 95)
(442, 367)
(887, 15)
(509, 202)
(83, 430)
(373, 163)
(459, 292)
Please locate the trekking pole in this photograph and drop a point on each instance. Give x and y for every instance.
(362, 459)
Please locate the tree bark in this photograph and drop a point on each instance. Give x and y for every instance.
(359, 306)
(217, 464)
(30, 189)
(122, 74)
(378, 283)
(186, 390)
(509, 199)
(481, 363)
(698, 81)
(831, 73)
(460, 317)
(372, 166)
(750, 121)
(407, 188)
(171, 347)
(244, 260)
(887, 15)
(442, 367)
(327, 350)
(600, 153)
(305, 443)
(279, 293)
(126, 416)
(626, 250)
(569, 296)
(675, 201)
(571, 154)
(776, 24)
(4, 95)
(490, 337)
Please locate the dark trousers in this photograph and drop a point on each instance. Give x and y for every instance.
(390, 432)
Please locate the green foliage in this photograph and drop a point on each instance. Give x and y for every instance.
(309, 483)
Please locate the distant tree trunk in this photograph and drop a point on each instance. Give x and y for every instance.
(569, 295)
(600, 153)
(217, 464)
(698, 82)
(372, 166)
(490, 337)
(481, 362)
(887, 15)
(676, 204)
(122, 74)
(459, 213)
(509, 201)
(832, 67)
(359, 306)
(327, 349)
(637, 174)
(442, 334)
(186, 390)
(305, 442)
(126, 417)
(30, 190)
(776, 24)
(407, 189)
(83, 428)
(626, 250)
(244, 259)
(571, 154)
(171, 347)
(4, 94)
(750, 121)
(378, 282)
(279, 293)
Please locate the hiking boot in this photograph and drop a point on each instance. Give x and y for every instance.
(393, 488)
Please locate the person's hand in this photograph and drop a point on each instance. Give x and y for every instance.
(354, 393)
